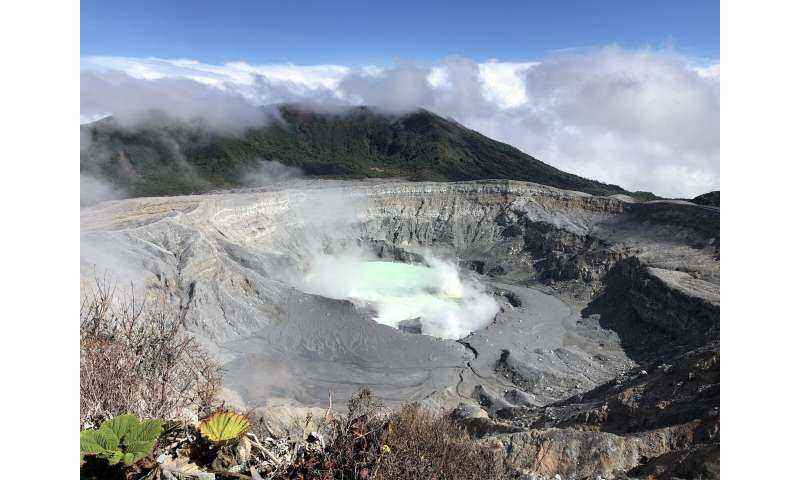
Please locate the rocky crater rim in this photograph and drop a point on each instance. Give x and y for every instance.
(238, 257)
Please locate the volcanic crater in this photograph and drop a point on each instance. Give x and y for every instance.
(553, 321)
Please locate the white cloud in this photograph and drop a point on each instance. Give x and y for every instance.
(710, 71)
(397, 89)
(504, 82)
(312, 76)
(132, 100)
(647, 120)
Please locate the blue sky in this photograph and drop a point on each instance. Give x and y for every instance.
(351, 32)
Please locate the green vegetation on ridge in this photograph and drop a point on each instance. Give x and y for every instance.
(168, 158)
(711, 199)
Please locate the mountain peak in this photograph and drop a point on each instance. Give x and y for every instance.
(346, 142)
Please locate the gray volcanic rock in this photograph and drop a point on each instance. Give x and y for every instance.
(657, 311)
(412, 325)
(592, 291)
(662, 417)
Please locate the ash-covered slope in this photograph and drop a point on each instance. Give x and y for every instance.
(168, 158)
(603, 359)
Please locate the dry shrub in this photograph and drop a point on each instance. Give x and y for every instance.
(371, 442)
(137, 357)
(422, 444)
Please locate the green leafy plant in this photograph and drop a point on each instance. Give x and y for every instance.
(223, 427)
(122, 439)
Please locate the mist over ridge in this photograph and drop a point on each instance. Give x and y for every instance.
(169, 157)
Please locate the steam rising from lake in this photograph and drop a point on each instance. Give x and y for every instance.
(447, 305)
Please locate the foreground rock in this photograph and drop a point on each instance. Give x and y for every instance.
(658, 420)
